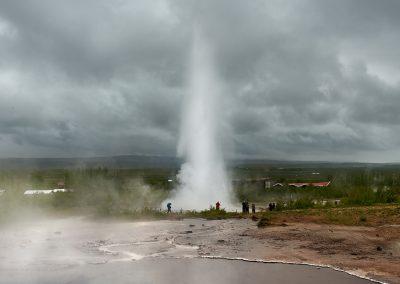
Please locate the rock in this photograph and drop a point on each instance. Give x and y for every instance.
(379, 248)
(221, 241)
(264, 222)
(191, 225)
(188, 232)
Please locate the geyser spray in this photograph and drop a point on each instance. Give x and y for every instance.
(203, 178)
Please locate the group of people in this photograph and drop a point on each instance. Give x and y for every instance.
(271, 206)
(246, 207)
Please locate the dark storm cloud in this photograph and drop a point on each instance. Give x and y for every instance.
(301, 79)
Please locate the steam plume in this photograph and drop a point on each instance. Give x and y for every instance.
(203, 179)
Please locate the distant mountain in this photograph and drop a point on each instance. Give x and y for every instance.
(129, 161)
(307, 164)
(147, 162)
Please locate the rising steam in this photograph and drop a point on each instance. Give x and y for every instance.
(203, 179)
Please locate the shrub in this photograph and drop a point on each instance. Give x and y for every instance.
(213, 213)
(363, 218)
(385, 196)
(264, 222)
(360, 196)
(63, 199)
(301, 203)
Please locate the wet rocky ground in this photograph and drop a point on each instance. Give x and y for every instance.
(82, 250)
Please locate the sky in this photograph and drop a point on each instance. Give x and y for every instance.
(300, 80)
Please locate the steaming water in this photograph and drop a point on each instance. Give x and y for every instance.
(80, 250)
(203, 179)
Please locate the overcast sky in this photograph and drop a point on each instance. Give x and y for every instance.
(302, 80)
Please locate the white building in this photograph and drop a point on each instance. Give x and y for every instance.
(45, 191)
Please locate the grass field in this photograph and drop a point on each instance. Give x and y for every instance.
(366, 195)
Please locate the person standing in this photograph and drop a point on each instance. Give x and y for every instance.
(247, 206)
(253, 208)
(217, 205)
(169, 206)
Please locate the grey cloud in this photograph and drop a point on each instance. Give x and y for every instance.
(302, 79)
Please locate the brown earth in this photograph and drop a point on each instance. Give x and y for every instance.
(371, 250)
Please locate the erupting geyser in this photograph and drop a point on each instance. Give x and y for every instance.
(203, 179)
